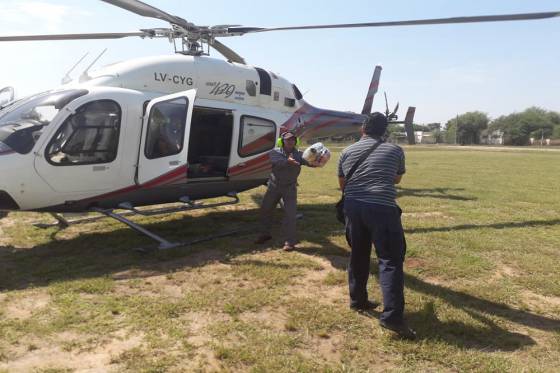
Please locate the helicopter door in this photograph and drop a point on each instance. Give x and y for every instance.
(165, 137)
(82, 155)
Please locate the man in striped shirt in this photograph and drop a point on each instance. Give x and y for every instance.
(373, 217)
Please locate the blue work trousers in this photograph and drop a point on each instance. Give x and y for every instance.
(380, 225)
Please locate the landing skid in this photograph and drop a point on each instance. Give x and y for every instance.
(163, 244)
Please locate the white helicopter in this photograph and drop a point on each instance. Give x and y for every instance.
(167, 129)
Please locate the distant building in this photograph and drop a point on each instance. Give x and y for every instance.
(423, 137)
(492, 137)
(541, 141)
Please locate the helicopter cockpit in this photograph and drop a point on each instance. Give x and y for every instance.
(22, 123)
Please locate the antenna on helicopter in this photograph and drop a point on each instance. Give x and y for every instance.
(67, 78)
(386, 105)
(84, 77)
(390, 115)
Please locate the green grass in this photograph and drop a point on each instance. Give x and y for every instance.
(482, 283)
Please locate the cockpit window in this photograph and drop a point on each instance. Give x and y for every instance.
(89, 136)
(22, 122)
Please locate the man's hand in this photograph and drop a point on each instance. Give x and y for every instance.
(291, 160)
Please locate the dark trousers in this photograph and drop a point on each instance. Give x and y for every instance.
(380, 225)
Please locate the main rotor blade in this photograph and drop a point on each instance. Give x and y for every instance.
(227, 52)
(416, 22)
(106, 35)
(146, 10)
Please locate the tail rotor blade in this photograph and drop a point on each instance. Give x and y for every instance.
(387, 112)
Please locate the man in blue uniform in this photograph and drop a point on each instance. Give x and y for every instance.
(373, 217)
(282, 184)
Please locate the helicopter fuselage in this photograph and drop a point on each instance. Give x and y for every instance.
(152, 131)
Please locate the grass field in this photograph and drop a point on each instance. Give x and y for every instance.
(482, 282)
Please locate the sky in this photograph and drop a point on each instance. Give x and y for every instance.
(444, 70)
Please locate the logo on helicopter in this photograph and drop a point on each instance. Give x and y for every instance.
(175, 79)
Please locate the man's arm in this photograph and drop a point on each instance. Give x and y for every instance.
(341, 182)
(277, 158)
(401, 170)
(341, 177)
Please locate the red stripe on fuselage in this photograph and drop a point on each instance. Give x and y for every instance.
(236, 169)
(160, 180)
(263, 166)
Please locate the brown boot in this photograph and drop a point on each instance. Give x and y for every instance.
(289, 247)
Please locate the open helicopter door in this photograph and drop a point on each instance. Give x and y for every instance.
(165, 138)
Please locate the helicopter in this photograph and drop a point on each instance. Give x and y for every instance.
(165, 129)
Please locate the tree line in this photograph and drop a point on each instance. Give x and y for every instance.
(514, 129)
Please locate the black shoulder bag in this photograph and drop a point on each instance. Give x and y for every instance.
(340, 204)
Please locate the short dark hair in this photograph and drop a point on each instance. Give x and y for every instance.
(375, 124)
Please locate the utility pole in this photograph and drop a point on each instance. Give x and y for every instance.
(456, 128)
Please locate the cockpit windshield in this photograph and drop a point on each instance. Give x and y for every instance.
(22, 123)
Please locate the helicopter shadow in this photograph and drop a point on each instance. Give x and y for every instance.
(439, 193)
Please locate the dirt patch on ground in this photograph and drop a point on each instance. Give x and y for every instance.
(504, 271)
(411, 263)
(270, 318)
(328, 348)
(200, 337)
(426, 215)
(313, 283)
(540, 301)
(435, 281)
(50, 355)
(23, 307)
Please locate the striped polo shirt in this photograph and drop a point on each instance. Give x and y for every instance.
(374, 179)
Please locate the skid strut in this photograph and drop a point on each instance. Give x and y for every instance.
(163, 244)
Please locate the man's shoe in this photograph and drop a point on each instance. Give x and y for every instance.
(288, 247)
(402, 329)
(367, 306)
(263, 238)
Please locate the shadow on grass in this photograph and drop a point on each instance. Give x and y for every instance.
(97, 254)
(508, 225)
(487, 337)
(460, 300)
(440, 193)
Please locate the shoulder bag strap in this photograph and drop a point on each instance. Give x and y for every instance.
(359, 161)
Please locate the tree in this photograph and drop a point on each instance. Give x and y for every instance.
(434, 126)
(556, 132)
(466, 128)
(534, 122)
